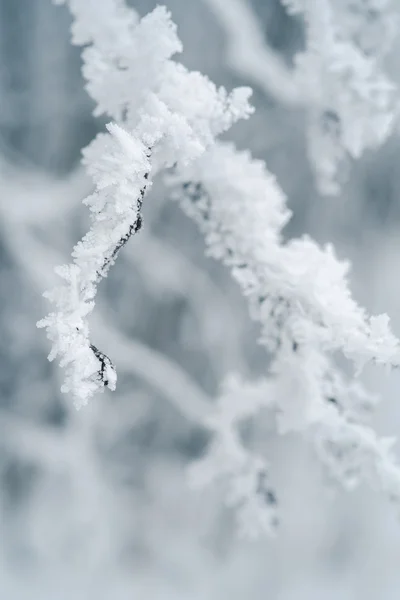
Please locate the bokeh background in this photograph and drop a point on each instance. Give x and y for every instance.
(95, 504)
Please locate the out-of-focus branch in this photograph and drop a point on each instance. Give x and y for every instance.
(34, 207)
(248, 55)
(181, 276)
(159, 372)
(38, 443)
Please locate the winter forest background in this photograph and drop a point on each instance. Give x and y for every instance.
(95, 503)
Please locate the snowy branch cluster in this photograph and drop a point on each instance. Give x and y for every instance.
(168, 118)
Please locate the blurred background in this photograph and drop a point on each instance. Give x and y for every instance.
(95, 504)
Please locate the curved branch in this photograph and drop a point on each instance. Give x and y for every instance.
(158, 371)
(120, 166)
(248, 55)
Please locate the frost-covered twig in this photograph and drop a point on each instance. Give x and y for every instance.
(170, 116)
(120, 169)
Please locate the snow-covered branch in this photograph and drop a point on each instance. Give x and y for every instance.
(120, 169)
(172, 120)
(296, 290)
(299, 294)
